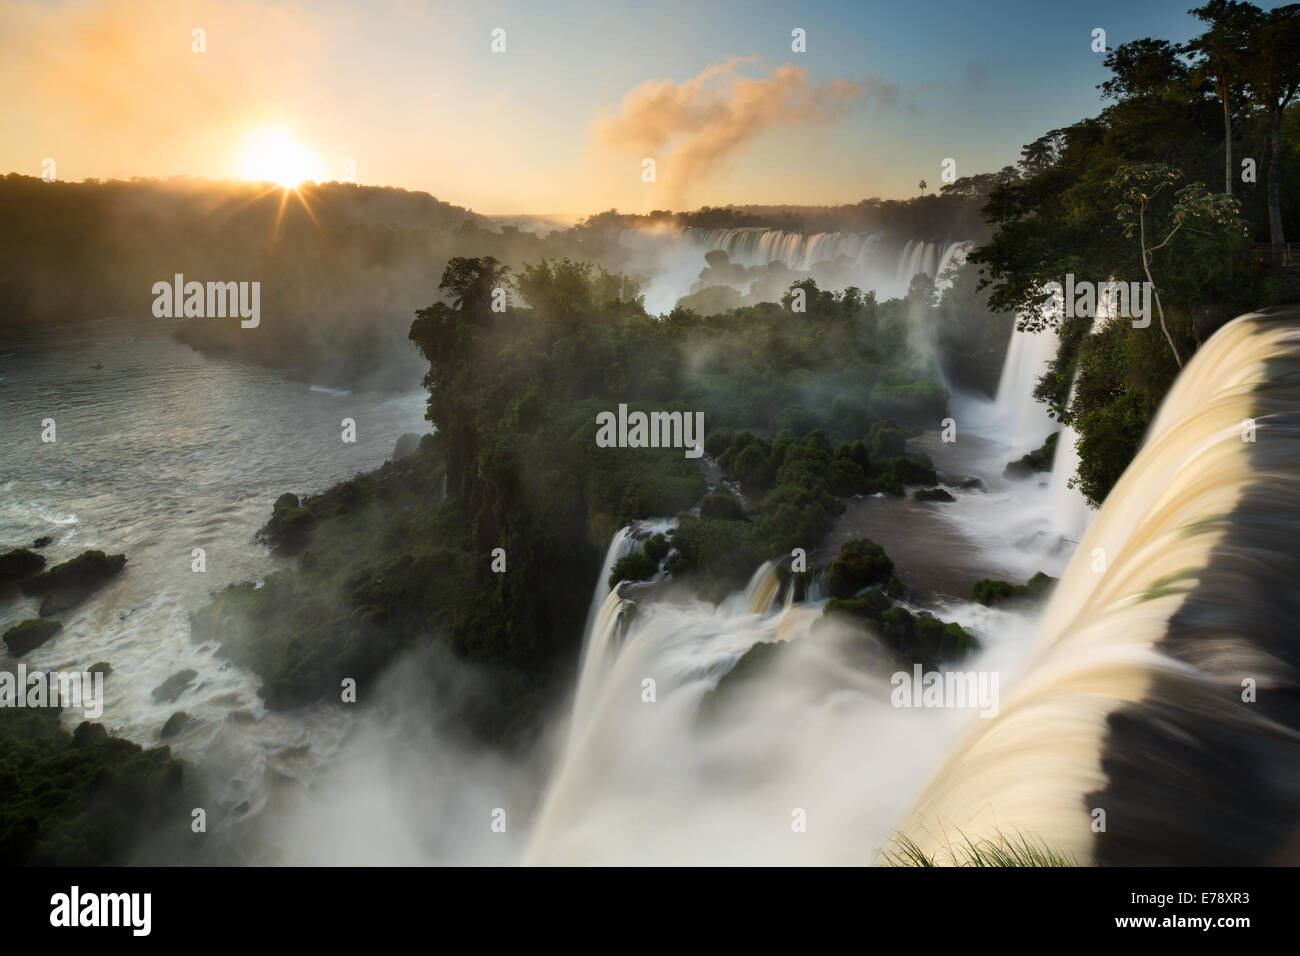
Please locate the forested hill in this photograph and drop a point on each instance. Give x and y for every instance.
(73, 251)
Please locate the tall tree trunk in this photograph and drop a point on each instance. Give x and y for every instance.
(1275, 183)
(1227, 145)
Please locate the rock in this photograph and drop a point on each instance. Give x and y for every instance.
(1036, 462)
(175, 724)
(406, 446)
(932, 494)
(990, 591)
(66, 585)
(29, 635)
(174, 686)
(42, 541)
(101, 667)
(18, 564)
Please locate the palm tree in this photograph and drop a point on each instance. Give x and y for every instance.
(923, 184)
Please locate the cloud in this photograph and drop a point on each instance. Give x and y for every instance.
(688, 128)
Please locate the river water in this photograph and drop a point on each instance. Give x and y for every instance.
(160, 450)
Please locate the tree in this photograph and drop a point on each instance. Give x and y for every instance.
(1272, 69)
(1222, 51)
(923, 184)
(1140, 185)
(469, 282)
(1145, 68)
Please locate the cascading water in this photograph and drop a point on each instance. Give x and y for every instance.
(854, 258)
(1070, 511)
(657, 772)
(1157, 700)
(1021, 420)
(757, 247)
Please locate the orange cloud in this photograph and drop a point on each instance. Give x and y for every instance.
(688, 128)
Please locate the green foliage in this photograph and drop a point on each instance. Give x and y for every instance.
(1038, 460)
(910, 638)
(633, 566)
(1080, 203)
(83, 799)
(722, 505)
(718, 441)
(753, 465)
(885, 440)
(990, 591)
(861, 563)
(717, 556)
(657, 547)
(1017, 850)
(907, 470)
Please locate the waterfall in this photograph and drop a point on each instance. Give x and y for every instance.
(1069, 509)
(1159, 690)
(1023, 422)
(602, 618)
(757, 247)
(856, 257)
(761, 589)
(627, 786)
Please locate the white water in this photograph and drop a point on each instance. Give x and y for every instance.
(1021, 420)
(837, 259)
(1167, 519)
(159, 451)
(651, 783)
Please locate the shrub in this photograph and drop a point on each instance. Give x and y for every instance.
(722, 506)
(861, 563)
(635, 566)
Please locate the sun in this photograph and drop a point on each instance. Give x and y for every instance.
(272, 155)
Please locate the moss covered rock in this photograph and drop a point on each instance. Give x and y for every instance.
(860, 564)
(18, 564)
(1036, 461)
(991, 591)
(66, 585)
(30, 635)
(932, 494)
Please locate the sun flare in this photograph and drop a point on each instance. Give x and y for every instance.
(273, 155)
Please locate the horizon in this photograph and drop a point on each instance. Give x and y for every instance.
(745, 121)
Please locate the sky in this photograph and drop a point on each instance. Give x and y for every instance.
(562, 120)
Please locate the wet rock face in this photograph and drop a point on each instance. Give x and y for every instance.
(174, 686)
(407, 445)
(175, 724)
(19, 564)
(932, 494)
(29, 635)
(66, 585)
